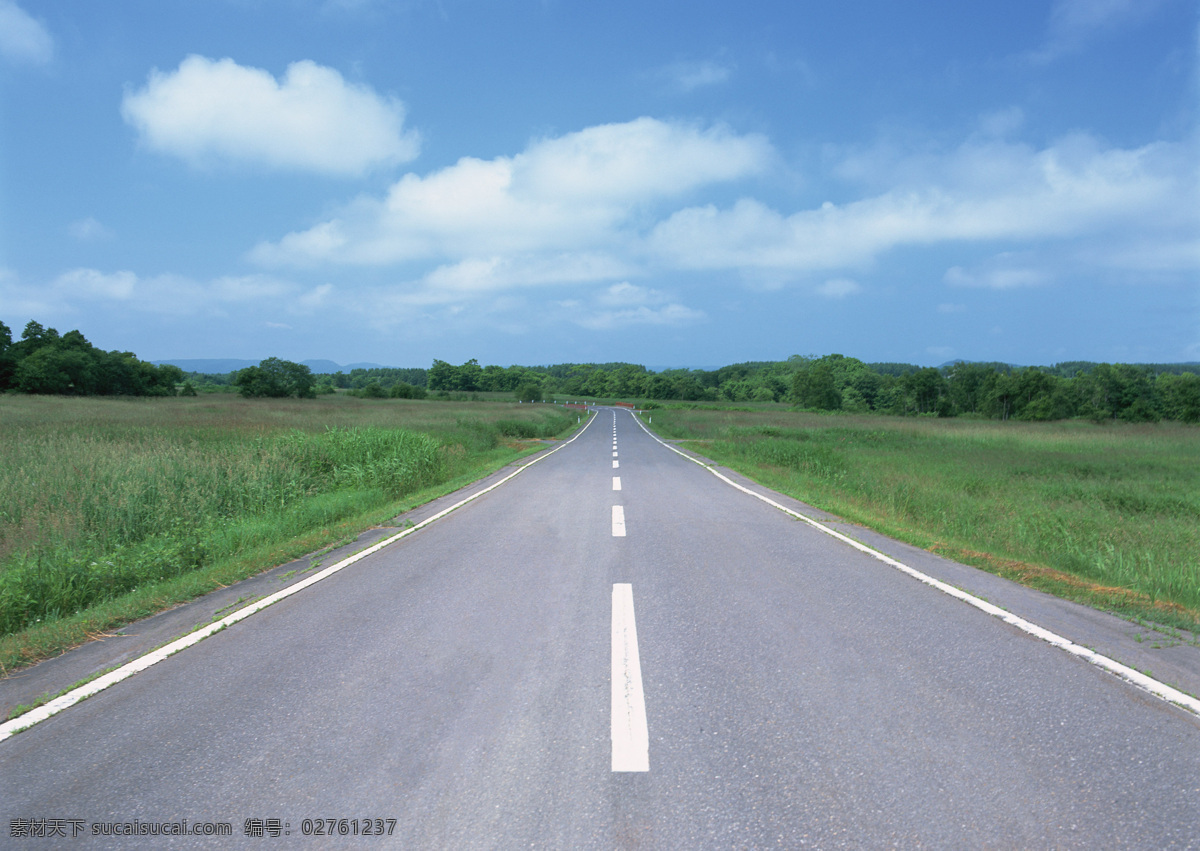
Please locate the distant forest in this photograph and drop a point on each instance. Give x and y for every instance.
(42, 361)
(1077, 389)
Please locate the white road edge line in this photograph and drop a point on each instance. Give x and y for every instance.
(630, 735)
(618, 521)
(1137, 678)
(41, 713)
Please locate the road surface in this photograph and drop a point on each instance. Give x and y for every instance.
(539, 669)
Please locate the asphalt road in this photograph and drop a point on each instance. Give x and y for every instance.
(797, 693)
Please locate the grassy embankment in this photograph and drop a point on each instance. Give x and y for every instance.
(113, 509)
(1106, 515)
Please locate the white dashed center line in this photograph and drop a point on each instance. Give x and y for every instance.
(616, 464)
(616, 483)
(630, 735)
(618, 521)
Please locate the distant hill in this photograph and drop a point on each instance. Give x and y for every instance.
(320, 367)
(221, 366)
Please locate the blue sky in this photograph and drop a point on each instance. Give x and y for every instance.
(674, 183)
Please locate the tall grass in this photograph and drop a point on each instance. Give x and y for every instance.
(101, 497)
(1113, 508)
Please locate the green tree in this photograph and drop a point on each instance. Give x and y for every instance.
(1112, 391)
(494, 379)
(687, 387)
(442, 376)
(813, 387)
(853, 401)
(529, 392)
(739, 390)
(1033, 397)
(8, 362)
(1000, 392)
(470, 377)
(164, 379)
(965, 385)
(35, 336)
(1180, 396)
(925, 388)
(627, 381)
(254, 382)
(50, 370)
(276, 378)
(891, 396)
(46, 362)
(660, 387)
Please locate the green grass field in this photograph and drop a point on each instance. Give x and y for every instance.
(114, 508)
(1104, 514)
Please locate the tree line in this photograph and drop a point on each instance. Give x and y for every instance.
(1077, 389)
(1094, 391)
(43, 361)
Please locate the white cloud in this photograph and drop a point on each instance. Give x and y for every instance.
(615, 306)
(1073, 23)
(83, 289)
(625, 304)
(312, 120)
(240, 289)
(595, 207)
(89, 230)
(315, 298)
(476, 282)
(22, 39)
(1085, 16)
(495, 273)
(997, 274)
(64, 295)
(839, 288)
(92, 284)
(637, 160)
(670, 314)
(626, 294)
(473, 287)
(571, 193)
(1074, 190)
(1149, 253)
(21, 301)
(1003, 122)
(685, 77)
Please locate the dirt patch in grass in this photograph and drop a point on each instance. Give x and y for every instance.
(1061, 584)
